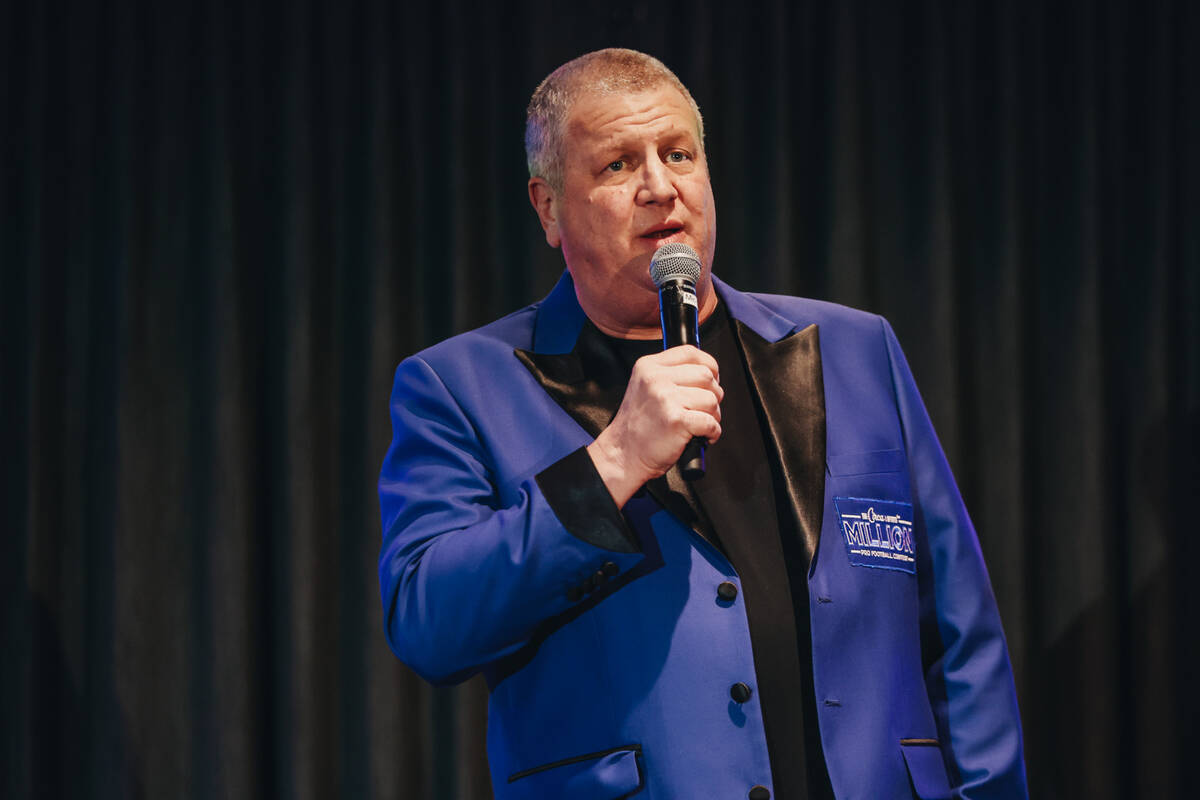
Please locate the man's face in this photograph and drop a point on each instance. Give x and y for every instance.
(634, 178)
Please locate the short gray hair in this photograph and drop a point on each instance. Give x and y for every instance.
(613, 70)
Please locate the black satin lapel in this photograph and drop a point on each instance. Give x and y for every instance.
(562, 376)
(672, 493)
(790, 385)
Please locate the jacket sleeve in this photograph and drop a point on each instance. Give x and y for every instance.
(466, 579)
(968, 674)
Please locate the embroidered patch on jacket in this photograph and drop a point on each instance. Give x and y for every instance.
(878, 533)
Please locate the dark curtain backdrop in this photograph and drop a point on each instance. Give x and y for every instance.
(223, 224)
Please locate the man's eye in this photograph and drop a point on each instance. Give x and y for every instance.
(676, 156)
(616, 166)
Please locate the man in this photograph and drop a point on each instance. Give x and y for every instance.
(810, 619)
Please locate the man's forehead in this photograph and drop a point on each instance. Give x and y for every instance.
(598, 116)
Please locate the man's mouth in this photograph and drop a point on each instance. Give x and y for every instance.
(662, 231)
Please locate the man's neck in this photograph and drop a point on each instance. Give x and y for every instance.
(644, 329)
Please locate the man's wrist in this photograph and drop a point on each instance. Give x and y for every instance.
(621, 481)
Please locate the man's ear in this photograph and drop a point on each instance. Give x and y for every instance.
(542, 197)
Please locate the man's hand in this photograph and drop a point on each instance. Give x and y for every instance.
(671, 397)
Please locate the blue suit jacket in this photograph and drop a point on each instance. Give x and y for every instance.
(626, 691)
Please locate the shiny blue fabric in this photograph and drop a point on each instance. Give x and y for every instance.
(604, 777)
(475, 572)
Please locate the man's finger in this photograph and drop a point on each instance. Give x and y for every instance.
(700, 400)
(686, 354)
(702, 425)
(694, 375)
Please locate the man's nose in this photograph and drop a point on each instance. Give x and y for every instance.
(657, 184)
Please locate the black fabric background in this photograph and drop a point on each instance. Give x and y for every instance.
(223, 224)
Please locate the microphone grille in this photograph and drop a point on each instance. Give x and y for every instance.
(674, 261)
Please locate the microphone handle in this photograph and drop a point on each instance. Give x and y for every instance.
(680, 325)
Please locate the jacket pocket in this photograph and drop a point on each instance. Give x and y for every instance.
(866, 463)
(926, 770)
(877, 474)
(606, 775)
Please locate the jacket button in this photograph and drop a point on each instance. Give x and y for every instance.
(598, 578)
(609, 568)
(726, 591)
(575, 594)
(759, 792)
(740, 692)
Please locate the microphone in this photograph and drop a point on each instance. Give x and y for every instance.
(675, 270)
